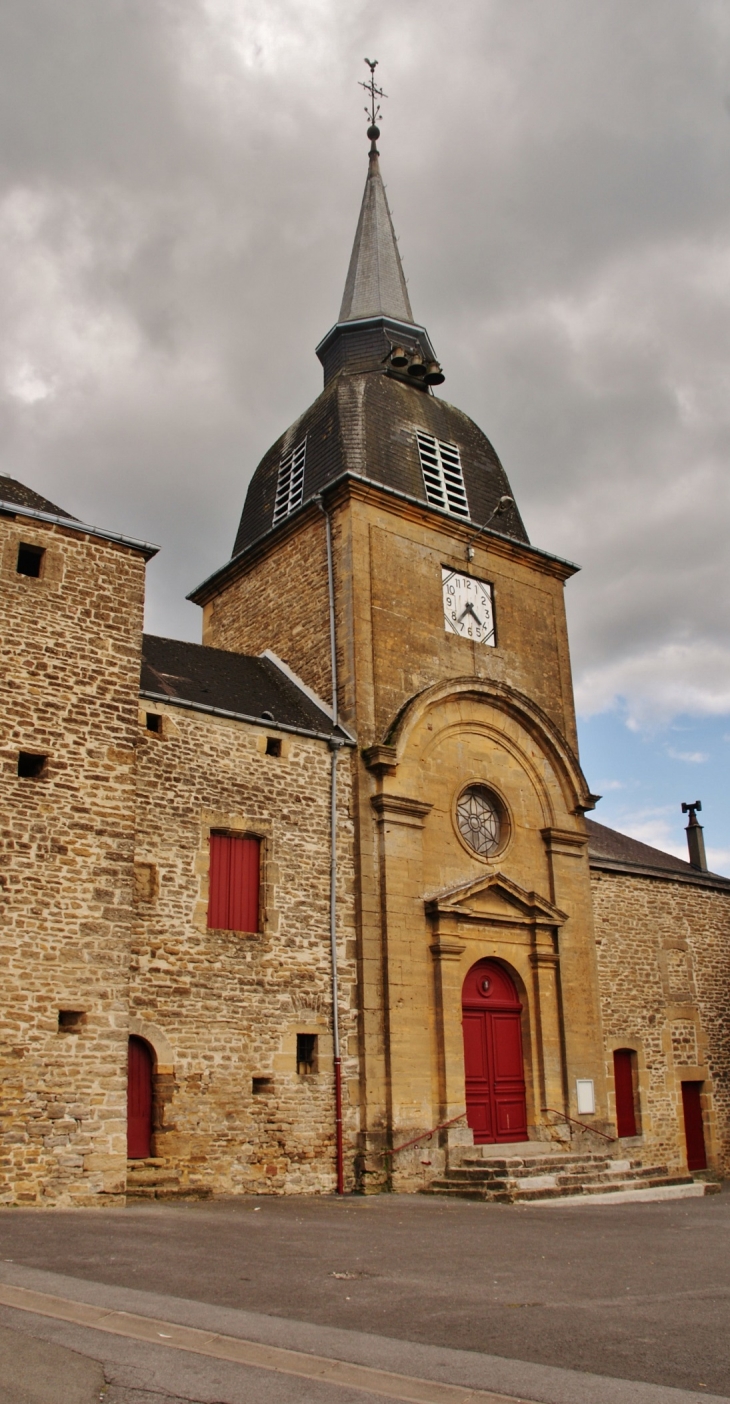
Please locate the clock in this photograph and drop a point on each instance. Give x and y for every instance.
(468, 607)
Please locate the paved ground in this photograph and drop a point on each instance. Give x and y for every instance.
(628, 1293)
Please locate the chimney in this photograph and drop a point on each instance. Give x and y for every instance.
(695, 839)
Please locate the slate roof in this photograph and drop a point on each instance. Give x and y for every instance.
(366, 419)
(366, 424)
(375, 283)
(213, 679)
(13, 491)
(607, 847)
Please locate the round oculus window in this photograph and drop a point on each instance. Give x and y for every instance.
(479, 817)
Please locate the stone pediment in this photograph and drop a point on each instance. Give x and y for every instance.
(495, 898)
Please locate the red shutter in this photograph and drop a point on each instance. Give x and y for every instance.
(233, 887)
(623, 1077)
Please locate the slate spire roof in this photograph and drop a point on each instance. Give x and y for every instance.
(375, 283)
(377, 400)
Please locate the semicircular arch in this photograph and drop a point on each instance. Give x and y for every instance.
(513, 704)
(158, 1041)
(507, 743)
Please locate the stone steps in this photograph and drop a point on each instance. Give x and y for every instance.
(550, 1178)
(157, 1179)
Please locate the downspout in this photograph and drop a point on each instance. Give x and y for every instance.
(335, 749)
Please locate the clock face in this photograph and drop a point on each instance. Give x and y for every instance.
(468, 607)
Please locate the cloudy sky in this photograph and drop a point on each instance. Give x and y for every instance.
(180, 182)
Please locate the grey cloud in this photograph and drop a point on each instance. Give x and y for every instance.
(179, 185)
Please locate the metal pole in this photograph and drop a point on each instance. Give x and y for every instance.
(335, 747)
(339, 1153)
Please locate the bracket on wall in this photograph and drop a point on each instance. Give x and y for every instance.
(399, 809)
(383, 760)
(564, 841)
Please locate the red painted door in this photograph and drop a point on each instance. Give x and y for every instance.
(623, 1079)
(694, 1132)
(139, 1100)
(495, 1081)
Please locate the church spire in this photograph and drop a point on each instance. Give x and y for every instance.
(375, 285)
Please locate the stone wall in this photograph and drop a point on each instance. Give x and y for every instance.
(223, 1008)
(664, 969)
(71, 643)
(280, 601)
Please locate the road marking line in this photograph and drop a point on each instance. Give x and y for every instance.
(242, 1352)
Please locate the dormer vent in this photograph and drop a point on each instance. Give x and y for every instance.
(442, 475)
(290, 483)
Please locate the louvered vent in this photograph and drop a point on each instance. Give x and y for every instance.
(290, 485)
(442, 476)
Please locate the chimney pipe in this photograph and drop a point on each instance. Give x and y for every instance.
(695, 839)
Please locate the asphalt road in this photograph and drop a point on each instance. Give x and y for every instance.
(636, 1292)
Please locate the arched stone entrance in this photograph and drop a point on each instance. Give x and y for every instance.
(139, 1099)
(493, 1067)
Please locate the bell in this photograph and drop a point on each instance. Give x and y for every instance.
(398, 357)
(417, 368)
(434, 374)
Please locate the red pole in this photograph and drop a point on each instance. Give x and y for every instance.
(339, 1154)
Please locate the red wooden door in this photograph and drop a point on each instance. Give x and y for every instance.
(139, 1100)
(495, 1081)
(694, 1132)
(623, 1079)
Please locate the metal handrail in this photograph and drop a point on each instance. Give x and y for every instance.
(425, 1136)
(583, 1125)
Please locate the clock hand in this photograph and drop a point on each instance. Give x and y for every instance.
(469, 609)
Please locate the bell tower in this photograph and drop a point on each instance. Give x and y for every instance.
(454, 676)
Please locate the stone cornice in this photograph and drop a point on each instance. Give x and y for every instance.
(528, 908)
(352, 486)
(399, 809)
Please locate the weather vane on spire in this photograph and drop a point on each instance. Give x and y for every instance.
(373, 111)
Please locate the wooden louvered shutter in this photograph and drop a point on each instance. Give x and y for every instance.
(233, 900)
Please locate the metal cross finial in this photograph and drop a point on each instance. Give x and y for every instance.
(374, 92)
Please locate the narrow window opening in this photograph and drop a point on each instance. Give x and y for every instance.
(154, 722)
(71, 1020)
(261, 1085)
(442, 475)
(30, 766)
(290, 483)
(273, 746)
(306, 1054)
(234, 882)
(29, 560)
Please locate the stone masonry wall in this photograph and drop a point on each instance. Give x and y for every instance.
(281, 603)
(70, 648)
(226, 1006)
(664, 969)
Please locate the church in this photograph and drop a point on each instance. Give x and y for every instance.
(314, 905)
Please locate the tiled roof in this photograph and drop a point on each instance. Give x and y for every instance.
(612, 849)
(13, 491)
(216, 680)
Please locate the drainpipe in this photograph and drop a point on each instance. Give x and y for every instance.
(335, 749)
